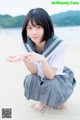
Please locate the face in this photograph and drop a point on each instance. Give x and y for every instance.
(35, 32)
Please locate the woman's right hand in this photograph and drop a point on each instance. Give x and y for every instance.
(15, 58)
(25, 57)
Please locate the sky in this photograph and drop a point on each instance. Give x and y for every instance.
(21, 7)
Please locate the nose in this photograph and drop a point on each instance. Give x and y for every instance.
(34, 31)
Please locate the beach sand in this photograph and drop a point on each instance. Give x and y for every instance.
(11, 84)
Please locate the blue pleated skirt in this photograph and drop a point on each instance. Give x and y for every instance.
(51, 92)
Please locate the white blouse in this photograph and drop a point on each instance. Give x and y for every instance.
(55, 59)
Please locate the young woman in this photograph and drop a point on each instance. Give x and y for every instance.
(50, 82)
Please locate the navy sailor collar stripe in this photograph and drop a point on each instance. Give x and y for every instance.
(51, 44)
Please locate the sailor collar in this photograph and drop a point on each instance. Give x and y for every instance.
(51, 44)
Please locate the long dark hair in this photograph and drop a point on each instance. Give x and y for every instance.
(41, 17)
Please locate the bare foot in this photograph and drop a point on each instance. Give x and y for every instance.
(62, 106)
(38, 106)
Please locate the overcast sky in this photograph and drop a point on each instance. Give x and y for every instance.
(18, 7)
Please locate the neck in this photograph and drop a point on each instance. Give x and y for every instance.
(40, 46)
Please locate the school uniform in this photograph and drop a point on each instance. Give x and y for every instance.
(59, 89)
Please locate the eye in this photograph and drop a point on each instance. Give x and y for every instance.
(29, 28)
(39, 26)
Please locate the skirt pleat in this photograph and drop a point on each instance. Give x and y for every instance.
(51, 92)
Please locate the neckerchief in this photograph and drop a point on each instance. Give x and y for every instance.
(51, 44)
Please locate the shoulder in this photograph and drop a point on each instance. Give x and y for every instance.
(62, 44)
(59, 50)
(58, 39)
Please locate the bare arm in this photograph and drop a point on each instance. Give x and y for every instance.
(28, 60)
(31, 67)
(48, 71)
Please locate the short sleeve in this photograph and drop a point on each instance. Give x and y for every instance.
(57, 59)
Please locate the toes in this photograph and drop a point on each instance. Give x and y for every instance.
(61, 107)
(32, 106)
(38, 106)
(42, 106)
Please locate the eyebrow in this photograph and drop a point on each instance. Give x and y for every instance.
(29, 25)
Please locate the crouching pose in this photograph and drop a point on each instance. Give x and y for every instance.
(50, 82)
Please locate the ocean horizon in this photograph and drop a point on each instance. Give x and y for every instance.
(69, 34)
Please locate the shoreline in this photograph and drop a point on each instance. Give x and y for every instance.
(12, 78)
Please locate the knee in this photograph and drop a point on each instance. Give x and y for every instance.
(29, 78)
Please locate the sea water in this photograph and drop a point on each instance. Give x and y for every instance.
(70, 34)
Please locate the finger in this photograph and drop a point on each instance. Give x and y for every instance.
(31, 54)
(31, 60)
(15, 60)
(28, 59)
(24, 56)
(11, 60)
(11, 56)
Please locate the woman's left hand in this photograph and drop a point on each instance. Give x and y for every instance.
(35, 57)
(31, 57)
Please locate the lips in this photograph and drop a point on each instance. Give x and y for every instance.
(35, 37)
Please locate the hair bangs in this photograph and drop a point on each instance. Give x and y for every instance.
(35, 20)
